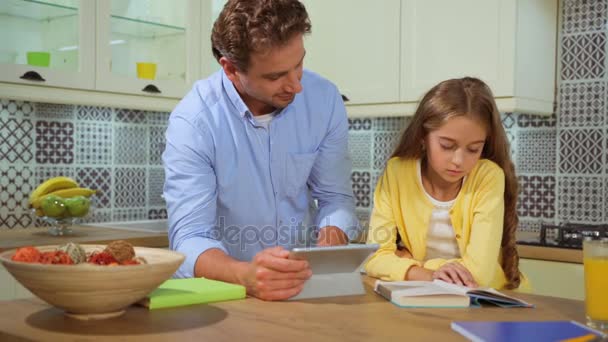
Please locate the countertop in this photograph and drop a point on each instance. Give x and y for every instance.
(367, 317)
(18, 237)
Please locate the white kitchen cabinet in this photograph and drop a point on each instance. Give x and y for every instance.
(383, 57)
(510, 44)
(355, 44)
(210, 10)
(556, 279)
(7, 284)
(63, 29)
(164, 34)
(10, 288)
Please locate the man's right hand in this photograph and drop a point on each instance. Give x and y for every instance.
(272, 276)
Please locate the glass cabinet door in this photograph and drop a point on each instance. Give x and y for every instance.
(148, 47)
(210, 10)
(49, 42)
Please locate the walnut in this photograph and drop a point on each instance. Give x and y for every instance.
(121, 250)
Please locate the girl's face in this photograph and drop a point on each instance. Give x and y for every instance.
(453, 149)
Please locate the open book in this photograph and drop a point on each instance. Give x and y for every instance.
(438, 293)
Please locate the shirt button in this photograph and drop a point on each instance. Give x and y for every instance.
(458, 236)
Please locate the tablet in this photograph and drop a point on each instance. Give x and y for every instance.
(334, 259)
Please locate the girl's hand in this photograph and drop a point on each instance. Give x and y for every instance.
(455, 273)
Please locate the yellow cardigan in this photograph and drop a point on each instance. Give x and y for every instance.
(400, 204)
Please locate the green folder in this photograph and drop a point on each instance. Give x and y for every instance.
(188, 291)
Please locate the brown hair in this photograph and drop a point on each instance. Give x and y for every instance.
(473, 98)
(246, 26)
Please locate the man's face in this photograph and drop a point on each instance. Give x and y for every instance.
(273, 77)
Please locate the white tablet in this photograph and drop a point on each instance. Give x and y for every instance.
(334, 259)
(335, 270)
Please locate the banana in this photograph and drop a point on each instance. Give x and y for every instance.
(65, 193)
(50, 185)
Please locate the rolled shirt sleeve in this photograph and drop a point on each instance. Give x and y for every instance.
(190, 193)
(330, 178)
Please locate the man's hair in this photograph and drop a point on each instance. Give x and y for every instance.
(246, 26)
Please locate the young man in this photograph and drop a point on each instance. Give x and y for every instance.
(249, 148)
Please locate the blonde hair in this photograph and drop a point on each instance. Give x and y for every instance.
(470, 97)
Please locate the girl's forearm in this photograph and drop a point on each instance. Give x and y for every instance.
(419, 273)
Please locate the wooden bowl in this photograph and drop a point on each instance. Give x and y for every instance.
(87, 291)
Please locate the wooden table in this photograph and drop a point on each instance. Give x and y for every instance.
(364, 318)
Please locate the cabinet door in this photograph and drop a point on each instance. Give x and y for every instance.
(355, 44)
(556, 279)
(48, 42)
(7, 290)
(148, 47)
(443, 39)
(210, 10)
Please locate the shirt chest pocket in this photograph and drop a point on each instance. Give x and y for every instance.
(297, 170)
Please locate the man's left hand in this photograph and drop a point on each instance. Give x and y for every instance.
(331, 236)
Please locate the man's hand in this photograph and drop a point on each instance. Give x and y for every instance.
(331, 236)
(455, 273)
(272, 276)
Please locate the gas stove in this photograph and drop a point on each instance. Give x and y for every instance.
(567, 235)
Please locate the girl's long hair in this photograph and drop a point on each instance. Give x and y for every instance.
(472, 98)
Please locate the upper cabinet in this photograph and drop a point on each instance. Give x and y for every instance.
(355, 44)
(146, 54)
(510, 44)
(148, 47)
(210, 10)
(48, 42)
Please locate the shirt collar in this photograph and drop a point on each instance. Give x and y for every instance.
(234, 96)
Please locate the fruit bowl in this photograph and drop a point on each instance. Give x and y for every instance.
(63, 225)
(86, 291)
(61, 202)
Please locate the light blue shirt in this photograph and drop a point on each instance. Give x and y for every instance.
(232, 184)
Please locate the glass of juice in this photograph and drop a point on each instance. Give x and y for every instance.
(595, 260)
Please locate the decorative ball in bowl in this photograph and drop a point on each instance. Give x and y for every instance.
(93, 289)
(61, 202)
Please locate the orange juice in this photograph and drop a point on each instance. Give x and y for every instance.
(596, 288)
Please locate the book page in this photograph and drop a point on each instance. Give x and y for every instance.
(452, 287)
(416, 288)
(487, 293)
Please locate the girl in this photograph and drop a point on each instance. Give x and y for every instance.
(448, 195)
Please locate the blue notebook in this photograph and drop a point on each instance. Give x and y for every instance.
(523, 331)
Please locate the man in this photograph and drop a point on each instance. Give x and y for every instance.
(249, 148)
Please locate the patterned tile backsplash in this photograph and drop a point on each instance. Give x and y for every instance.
(115, 151)
(561, 160)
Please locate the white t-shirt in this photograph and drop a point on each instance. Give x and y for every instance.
(264, 120)
(440, 239)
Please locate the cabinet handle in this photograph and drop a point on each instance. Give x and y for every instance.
(151, 88)
(344, 98)
(32, 76)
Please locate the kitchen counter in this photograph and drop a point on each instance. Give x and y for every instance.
(341, 318)
(99, 234)
(19, 237)
(547, 253)
(550, 253)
